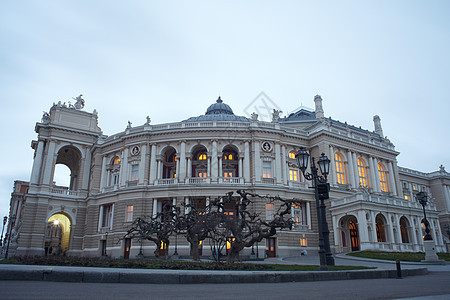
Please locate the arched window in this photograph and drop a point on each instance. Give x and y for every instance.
(114, 171)
(202, 156)
(362, 172)
(340, 173)
(292, 154)
(404, 227)
(116, 161)
(380, 223)
(382, 175)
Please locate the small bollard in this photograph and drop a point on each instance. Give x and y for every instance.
(399, 269)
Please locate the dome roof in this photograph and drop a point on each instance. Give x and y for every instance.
(218, 111)
(219, 108)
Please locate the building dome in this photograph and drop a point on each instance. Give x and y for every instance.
(218, 111)
(219, 108)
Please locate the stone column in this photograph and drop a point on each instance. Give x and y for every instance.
(124, 168)
(37, 163)
(433, 230)
(189, 174)
(100, 218)
(103, 175)
(308, 214)
(187, 209)
(49, 165)
(177, 165)
(391, 180)
(257, 162)
(335, 231)
(284, 169)
(377, 177)
(397, 226)
(374, 227)
(240, 166)
(160, 168)
(155, 207)
(153, 164)
(220, 167)
(332, 166)
(207, 204)
(208, 172)
(372, 181)
(214, 166)
(391, 230)
(439, 239)
(142, 164)
(362, 228)
(182, 171)
(278, 162)
(356, 171)
(247, 162)
(351, 169)
(86, 169)
(112, 217)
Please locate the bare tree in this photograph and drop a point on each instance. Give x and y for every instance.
(224, 221)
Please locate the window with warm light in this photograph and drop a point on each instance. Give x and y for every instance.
(129, 217)
(269, 211)
(267, 169)
(201, 174)
(293, 175)
(292, 155)
(116, 160)
(339, 162)
(383, 178)
(228, 156)
(362, 172)
(406, 197)
(299, 213)
(303, 242)
(202, 156)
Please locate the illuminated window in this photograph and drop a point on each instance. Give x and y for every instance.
(303, 242)
(163, 246)
(362, 172)
(202, 156)
(299, 213)
(340, 174)
(267, 169)
(227, 174)
(269, 211)
(230, 240)
(292, 154)
(116, 160)
(228, 156)
(293, 175)
(406, 197)
(414, 186)
(201, 174)
(129, 217)
(382, 176)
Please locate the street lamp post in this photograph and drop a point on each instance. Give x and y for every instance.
(428, 243)
(423, 200)
(12, 222)
(106, 243)
(5, 219)
(321, 189)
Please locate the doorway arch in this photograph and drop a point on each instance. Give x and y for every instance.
(57, 234)
(349, 233)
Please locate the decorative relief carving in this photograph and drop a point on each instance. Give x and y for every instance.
(135, 150)
(266, 146)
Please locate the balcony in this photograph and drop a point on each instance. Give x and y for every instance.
(297, 185)
(65, 192)
(231, 180)
(198, 180)
(166, 181)
(268, 180)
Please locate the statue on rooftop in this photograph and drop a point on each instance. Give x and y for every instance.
(79, 104)
(276, 115)
(254, 116)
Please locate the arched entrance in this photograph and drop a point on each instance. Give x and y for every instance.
(57, 235)
(70, 157)
(349, 233)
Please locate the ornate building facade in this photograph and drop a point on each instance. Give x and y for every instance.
(116, 178)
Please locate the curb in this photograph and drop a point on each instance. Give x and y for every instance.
(184, 277)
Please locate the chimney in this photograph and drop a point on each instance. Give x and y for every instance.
(377, 124)
(319, 108)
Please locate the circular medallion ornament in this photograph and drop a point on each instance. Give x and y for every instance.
(135, 150)
(266, 147)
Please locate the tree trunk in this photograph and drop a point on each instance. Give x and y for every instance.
(194, 251)
(232, 256)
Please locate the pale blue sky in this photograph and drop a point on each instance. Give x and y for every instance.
(171, 59)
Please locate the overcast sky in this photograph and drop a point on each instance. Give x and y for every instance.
(171, 59)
